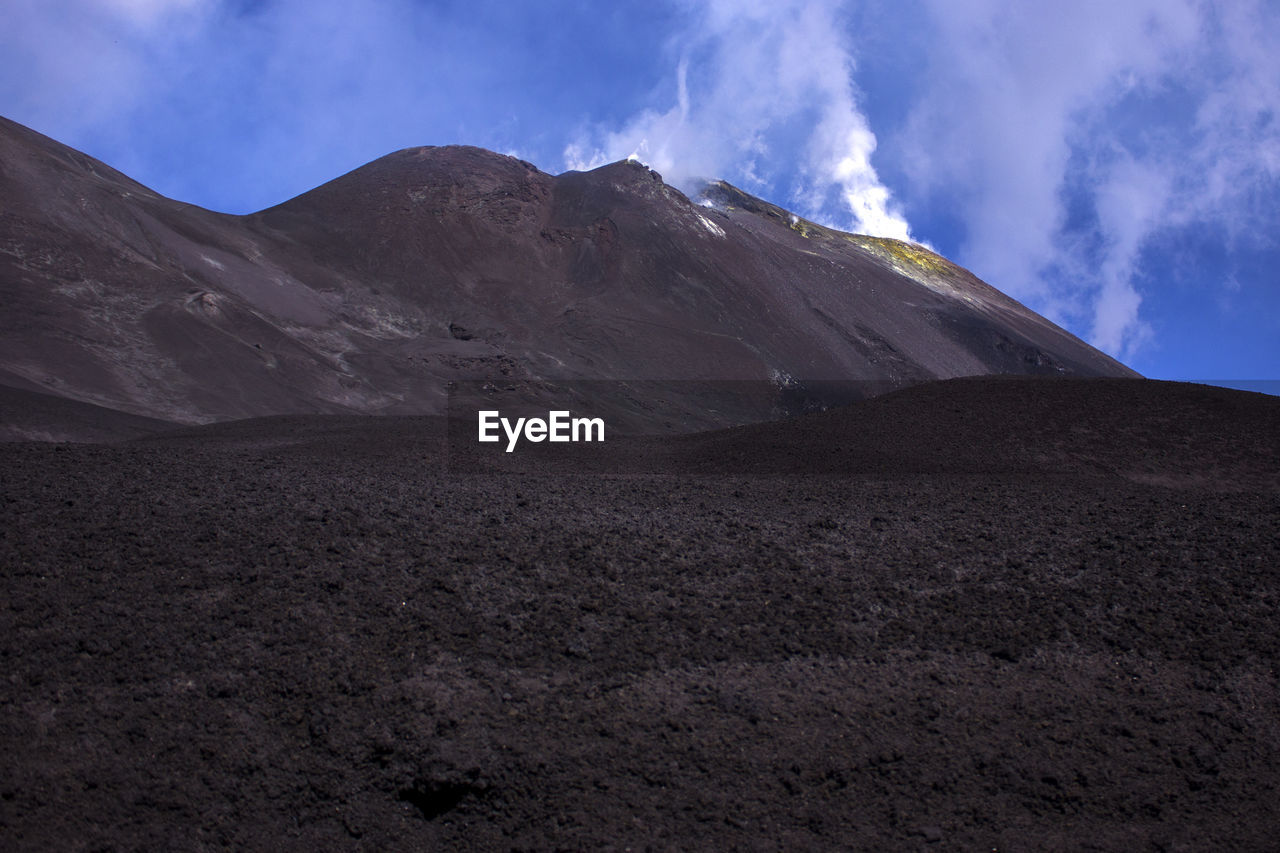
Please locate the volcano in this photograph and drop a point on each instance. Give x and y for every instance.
(1008, 595)
(374, 292)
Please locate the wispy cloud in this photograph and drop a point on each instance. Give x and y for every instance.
(238, 105)
(147, 14)
(763, 95)
(68, 63)
(1066, 141)
(186, 88)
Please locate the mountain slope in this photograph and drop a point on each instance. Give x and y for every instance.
(374, 291)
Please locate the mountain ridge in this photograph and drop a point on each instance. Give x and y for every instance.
(373, 292)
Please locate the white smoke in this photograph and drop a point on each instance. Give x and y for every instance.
(763, 92)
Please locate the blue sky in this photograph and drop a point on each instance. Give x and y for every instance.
(1114, 165)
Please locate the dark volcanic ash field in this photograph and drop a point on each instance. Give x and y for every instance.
(917, 623)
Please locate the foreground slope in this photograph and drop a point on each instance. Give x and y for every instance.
(309, 631)
(1165, 433)
(33, 416)
(431, 265)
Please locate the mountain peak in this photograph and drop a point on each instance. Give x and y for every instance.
(435, 264)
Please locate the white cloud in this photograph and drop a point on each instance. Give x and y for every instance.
(69, 65)
(1130, 203)
(763, 93)
(1149, 115)
(191, 96)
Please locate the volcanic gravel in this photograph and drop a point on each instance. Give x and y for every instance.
(331, 633)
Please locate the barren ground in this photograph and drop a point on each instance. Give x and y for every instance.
(312, 633)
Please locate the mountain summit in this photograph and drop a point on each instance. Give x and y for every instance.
(374, 292)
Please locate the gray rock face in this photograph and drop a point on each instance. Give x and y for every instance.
(374, 292)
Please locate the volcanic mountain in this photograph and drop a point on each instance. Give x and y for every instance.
(373, 292)
(980, 613)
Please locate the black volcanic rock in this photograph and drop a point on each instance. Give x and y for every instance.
(374, 291)
(312, 632)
